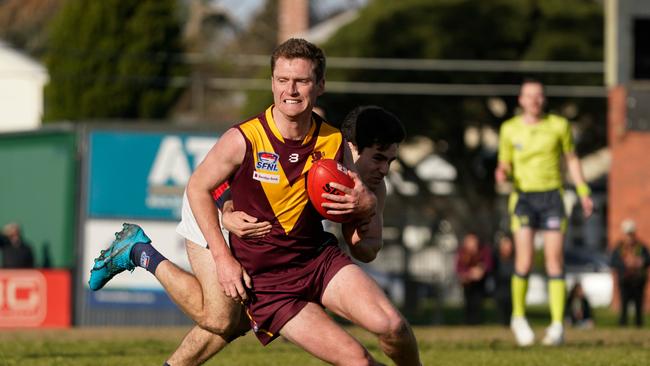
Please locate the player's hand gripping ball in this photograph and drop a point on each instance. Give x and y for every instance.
(321, 173)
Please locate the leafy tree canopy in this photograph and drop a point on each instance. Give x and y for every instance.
(113, 59)
(462, 29)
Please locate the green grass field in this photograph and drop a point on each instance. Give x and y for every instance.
(444, 345)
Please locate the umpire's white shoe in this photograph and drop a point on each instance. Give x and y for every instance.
(554, 335)
(523, 333)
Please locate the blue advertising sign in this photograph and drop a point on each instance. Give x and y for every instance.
(141, 174)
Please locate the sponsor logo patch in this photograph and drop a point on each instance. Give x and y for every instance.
(266, 178)
(144, 260)
(553, 222)
(267, 161)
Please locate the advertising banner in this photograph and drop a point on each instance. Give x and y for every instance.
(34, 298)
(136, 177)
(38, 190)
(141, 175)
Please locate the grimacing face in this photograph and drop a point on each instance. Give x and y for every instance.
(373, 163)
(294, 87)
(532, 99)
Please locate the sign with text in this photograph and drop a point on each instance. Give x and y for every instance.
(141, 174)
(34, 298)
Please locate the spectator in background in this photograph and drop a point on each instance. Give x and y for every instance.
(473, 263)
(16, 252)
(504, 267)
(578, 310)
(630, 260)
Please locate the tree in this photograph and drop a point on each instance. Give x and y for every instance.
(462, 29)
(466, 29)
(113, 59)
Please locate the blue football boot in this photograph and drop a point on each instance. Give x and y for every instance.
(117, 257)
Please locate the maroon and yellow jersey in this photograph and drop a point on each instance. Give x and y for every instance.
(270, 185)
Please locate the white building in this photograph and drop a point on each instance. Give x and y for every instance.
(22, 80)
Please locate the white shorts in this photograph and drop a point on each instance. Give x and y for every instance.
(189, 229)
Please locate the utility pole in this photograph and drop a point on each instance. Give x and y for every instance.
(293, 18)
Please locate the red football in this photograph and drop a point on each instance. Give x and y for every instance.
(321, 173)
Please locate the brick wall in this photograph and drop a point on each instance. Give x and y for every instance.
(629, 177)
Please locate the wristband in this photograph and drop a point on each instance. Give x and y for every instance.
(583, 190)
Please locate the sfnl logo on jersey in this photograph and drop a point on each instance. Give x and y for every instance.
(267, 162)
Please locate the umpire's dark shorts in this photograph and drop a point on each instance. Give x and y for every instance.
(537, 210)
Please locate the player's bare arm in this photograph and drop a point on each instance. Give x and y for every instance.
(222, 160)
(575, 172)
(365, 241)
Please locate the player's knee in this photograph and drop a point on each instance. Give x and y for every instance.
(393, 326)
(221, 325)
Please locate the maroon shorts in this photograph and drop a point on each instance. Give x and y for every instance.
(279, 295)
